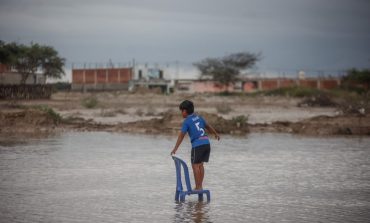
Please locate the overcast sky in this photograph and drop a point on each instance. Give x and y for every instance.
(290, 34)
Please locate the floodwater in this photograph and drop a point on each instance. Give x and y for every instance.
(105, 177)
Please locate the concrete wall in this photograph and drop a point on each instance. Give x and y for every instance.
(15, 78)
(270, 84)
(210, 86)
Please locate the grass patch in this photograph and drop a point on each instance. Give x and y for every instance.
(299, 92)
(90, 102)
(240, 121)
(228, 93)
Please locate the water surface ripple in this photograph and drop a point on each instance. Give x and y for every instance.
(104, 177)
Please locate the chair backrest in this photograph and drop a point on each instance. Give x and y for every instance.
(178, 163)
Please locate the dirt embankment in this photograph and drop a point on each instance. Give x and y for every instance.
(320, 126)
(170, 123)
(27, 122)
(33, 121)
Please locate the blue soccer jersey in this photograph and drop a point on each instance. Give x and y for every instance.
(195, 126)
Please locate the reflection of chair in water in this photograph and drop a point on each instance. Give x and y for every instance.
(195, 211)
(180, 193)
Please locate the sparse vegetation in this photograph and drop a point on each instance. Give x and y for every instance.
(223, 109)
(121, 111)
(107, 113)
(321, 100)
(139, 112)
(355, 104)
(293, 92)
(151, 111)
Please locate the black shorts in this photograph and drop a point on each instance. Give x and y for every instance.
(200, 153)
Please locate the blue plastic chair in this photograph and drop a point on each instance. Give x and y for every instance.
(180, 193)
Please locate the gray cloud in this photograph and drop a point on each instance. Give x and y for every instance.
(291, 34)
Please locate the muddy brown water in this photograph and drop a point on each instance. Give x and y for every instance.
(104, 177)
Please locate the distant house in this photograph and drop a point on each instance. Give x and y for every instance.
(151, 78)
(11, 76)
(201, 86)
(101, 79)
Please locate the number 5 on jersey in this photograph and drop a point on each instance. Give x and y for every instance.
(199, 128)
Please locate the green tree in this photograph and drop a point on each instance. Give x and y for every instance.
(362, 76)
(27, 60)
(226, 70)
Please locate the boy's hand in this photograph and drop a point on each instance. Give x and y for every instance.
(173, 152)
(217, 137)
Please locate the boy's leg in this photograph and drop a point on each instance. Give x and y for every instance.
(197, 175)
(201, 170)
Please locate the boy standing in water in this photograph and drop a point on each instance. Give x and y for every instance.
(195, 126)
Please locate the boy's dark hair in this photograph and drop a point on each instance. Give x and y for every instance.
(188, 106)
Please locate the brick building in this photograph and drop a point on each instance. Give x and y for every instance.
(254, 84)
(101, 79)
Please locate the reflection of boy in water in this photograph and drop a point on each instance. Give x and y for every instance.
(195, 126)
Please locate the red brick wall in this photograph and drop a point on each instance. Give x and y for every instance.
(3, 68)
(269, 84)
(113, 75)
(328, 84)
(89, 76)
(101, 76)
(77, 76)
(308, 83)
(287, 83)
(125, 74)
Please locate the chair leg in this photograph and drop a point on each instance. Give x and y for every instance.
(177, 195)
(200, 197)
(208, 196)
(182, 196)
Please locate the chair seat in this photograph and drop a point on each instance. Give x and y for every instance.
(197, 191)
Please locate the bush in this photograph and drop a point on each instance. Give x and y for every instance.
(240, 121)
(321, 100)
(54, 115)
(90, 102)
(61, 86)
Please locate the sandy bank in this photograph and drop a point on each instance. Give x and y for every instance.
(158, 114)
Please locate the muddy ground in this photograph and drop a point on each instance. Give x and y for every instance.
(158, 114)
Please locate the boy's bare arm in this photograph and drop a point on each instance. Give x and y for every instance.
(212, 130)
(179, 140)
